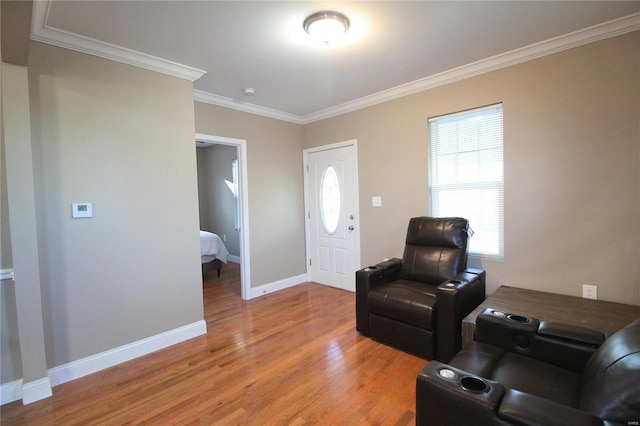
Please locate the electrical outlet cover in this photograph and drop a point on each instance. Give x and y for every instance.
(590, 292)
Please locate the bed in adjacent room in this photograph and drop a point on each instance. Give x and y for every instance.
(212, 249)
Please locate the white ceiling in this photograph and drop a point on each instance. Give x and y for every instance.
(392, 48)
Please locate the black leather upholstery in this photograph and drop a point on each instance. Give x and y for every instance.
(435, 249)
(417, 303)
(533, 385)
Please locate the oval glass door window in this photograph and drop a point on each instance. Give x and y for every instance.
(330, 199)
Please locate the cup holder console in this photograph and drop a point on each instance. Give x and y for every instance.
(518, 318)
(474, 384)
(370, 268)
(512, 317)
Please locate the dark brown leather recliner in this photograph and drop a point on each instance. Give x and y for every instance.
(521, 371)
(417, 303)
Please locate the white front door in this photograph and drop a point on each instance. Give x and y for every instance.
(331, 193)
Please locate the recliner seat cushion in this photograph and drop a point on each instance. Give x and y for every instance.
(538, 378)
(521, 373)
(407, 301)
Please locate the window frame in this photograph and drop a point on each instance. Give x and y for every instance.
(435, 189)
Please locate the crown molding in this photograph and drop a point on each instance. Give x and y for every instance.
(41, 32)
(548, 47)
(210, 98)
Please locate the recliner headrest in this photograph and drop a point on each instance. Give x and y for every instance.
(449, 232)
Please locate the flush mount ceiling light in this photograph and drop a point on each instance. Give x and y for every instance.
(326, 26)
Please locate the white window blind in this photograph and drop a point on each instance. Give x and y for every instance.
(467, 174)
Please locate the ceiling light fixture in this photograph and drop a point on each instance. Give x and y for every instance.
(326, 26)
(249, 91)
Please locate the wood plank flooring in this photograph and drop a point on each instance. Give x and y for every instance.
(287, 358)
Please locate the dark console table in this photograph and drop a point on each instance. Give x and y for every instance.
(607, 317)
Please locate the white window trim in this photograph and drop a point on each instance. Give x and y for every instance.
(500, 184)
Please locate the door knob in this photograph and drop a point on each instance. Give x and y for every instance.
(351, 228)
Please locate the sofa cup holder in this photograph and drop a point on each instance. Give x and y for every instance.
(474, 384)
(453, 283)
(518, 318)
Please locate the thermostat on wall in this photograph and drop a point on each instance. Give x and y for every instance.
(81, 210)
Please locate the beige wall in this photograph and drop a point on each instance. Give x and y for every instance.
(121, 138)
(10, 362)
(217, 204)
(572, 163)
(5, 233)
(275, 180)
(16, 120)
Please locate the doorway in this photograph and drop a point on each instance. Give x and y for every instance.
(332, 214)
(241, 150)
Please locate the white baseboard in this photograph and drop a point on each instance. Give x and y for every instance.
(33, 391)
(10, 391)
(27, 392)
(91, 364)
(36, 390)
(277, 285)
(6, 274)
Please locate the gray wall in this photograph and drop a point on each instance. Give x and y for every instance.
(10, 362)
(6, 261)
(121, 138)
(217, 204)
(572, 167)
(16, 125)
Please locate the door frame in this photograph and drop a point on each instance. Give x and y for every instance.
(245, 259)
(305, 154)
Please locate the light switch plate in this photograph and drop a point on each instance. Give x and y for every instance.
(81, 210)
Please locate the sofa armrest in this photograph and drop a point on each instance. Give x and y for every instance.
(510, 332)
(368, 278)
(565, 346)
(455, 299)
(571, 333)
(525, 409)
(442, 398)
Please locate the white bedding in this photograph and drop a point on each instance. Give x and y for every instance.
(212, 247)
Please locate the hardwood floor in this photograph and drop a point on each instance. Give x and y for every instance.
(287, 358)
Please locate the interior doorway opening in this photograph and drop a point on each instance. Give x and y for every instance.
(203, 140)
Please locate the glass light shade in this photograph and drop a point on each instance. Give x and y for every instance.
(326, 26)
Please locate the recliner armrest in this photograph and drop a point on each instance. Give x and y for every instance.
(510, 332)
(525, 409)
(571, 333)
(455, 299)
(565, 346)
(368, 278)
(383, 272)
(442, 398)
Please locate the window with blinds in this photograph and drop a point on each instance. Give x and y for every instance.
(467, 174)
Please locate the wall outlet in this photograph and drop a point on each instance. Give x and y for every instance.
(590, 292)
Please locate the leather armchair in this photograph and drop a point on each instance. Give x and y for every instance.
(417, 303)
(521, 371)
